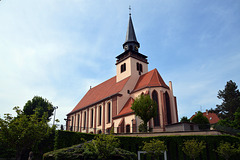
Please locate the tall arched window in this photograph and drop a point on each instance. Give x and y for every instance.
(169, 117)
(140, 68)
(78, 122)
(85, 120)
(91, 124)
(128, 128)
(108, 112)
(100, 115)
(157, 118)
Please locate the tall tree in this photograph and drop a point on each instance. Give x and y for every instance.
(145, 108)
(231, 101)
(21, 133)
(38, 105)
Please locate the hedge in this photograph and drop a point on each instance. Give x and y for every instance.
(174, 144)
(65, 139)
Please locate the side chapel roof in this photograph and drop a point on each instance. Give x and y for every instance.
(150, 79)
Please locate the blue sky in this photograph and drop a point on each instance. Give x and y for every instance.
(57, 49)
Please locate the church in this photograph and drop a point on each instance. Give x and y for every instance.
(108, 105)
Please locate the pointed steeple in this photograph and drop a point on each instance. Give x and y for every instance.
(131, 42)
(130, 36)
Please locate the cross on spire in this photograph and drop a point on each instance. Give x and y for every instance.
(129, 10)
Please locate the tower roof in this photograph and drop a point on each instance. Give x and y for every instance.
(130, 36)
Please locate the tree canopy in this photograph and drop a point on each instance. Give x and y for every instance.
(145, 108)
(202, 121)
(231, 101)
(184, 119)
(229, 110)
(40, 106)
(21, 133)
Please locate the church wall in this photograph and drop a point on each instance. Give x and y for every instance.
(127, 121)
(121, 101)
(134, 66)
(125, 74)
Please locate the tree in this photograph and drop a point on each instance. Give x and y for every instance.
(145, 108)
(21, 133)
(226, 150)
(193, 148)
(102, 147)
(38, 105)
(231, 101)
(184, 119)
(202, 121)
(155, 147)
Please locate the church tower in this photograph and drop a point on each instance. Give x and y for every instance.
(131, 62)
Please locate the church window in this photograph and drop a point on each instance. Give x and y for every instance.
(91, 124)
(123, 67)
(72, 124)
(78, 122)
(169, 117)
(85, 119)
(139, 67)
(157, 118)
(109, 112)
(100, 115)
(128, 128)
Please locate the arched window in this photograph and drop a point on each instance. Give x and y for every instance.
(100, 115)
(169, 117)
(78, 122)
(91, 122)
(85, 120)
(137, 66)
(72, 124)
(108, 112)
(140, 67)
(123, 67)
(157, 118)
(128, 128)
(99, 132)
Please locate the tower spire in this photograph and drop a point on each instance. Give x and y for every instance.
(131, 42)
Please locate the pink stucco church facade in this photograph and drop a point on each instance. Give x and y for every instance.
(108, 105)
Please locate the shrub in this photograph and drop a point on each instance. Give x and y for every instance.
(193, 148)
(226, 150)
(155, 147)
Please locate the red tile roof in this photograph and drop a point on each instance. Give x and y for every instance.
(100, 92)
(127, 108)
(212, 117)
(150, 79)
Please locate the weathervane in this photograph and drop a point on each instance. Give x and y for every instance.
(129, 10)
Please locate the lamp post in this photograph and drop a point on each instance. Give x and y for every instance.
(55, 108)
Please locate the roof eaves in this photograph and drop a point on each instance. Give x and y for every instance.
(126, 114)
(116, 94)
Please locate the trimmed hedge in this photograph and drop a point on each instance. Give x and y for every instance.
(174, 144)
(65, 139)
